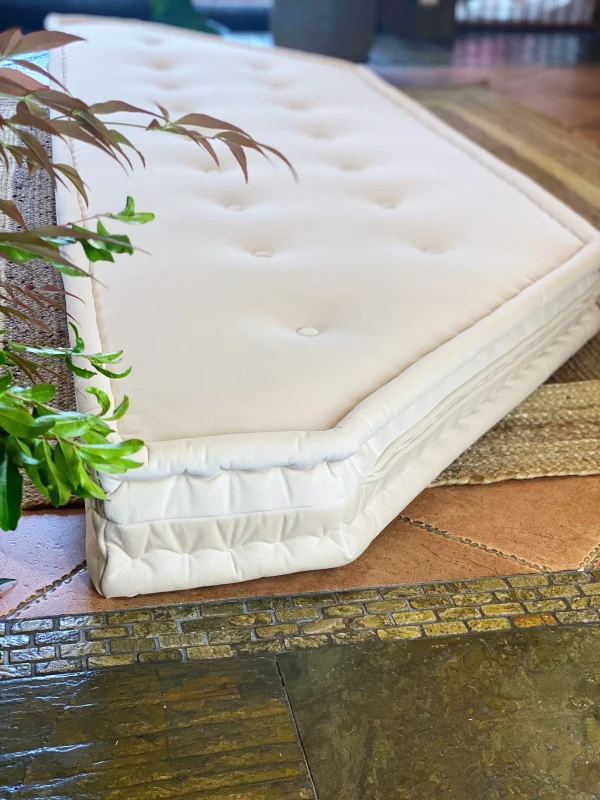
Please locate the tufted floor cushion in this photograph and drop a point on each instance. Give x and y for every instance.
(306, 357)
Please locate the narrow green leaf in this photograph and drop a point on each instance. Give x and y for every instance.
(40, 392)
(116, 449)
(98, 425)
(71, 429)
(5, 380)
(60, 491)
(72, 271)
(102, 398)
(79, 343)
(19, 347)
(20, 422)
(34, 247)
(19, 451)
(11, 493)
(120, 410)
(116, 467)
(105, 358)
(79, 371)
(119, 243)
(130, 216)
(92, 436)
(113, 375)
(33, 473)
(95, 252)
(68, 461)
(88, 487)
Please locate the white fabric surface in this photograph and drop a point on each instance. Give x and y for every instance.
(438, 286)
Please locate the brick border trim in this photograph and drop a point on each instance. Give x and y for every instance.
(66, 644)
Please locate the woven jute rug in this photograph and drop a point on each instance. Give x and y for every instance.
(557, 430)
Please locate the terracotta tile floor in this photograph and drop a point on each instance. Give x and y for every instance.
(403, 553)
(446, 533)
(45, 548)
(553, 524)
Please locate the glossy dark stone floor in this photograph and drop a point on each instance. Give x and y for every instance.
(512, 716)
(210, 731)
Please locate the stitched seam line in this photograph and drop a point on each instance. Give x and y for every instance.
(477, 545)
(343, 498)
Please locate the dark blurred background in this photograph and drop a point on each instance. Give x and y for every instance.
(384, 32)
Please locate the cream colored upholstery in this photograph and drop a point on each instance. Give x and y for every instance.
(306, 357)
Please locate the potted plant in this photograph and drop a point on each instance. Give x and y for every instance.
(60, 450)
(340, 28)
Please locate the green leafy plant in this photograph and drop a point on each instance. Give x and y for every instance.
(182, 14)
(62, 452)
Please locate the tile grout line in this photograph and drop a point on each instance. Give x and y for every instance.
(475, 545)
(42, 593)
(288, 703)
(591, 557)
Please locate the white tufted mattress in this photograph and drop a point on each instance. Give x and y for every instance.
(306, 358)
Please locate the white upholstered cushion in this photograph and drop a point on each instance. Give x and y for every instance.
(307, 357)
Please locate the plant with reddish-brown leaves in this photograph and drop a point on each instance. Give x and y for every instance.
(61, 451)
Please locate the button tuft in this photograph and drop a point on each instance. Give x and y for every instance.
(262, 254)
(320, 134)
(307, 332)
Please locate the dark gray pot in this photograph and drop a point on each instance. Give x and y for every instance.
(412, 20)
(340, 28)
